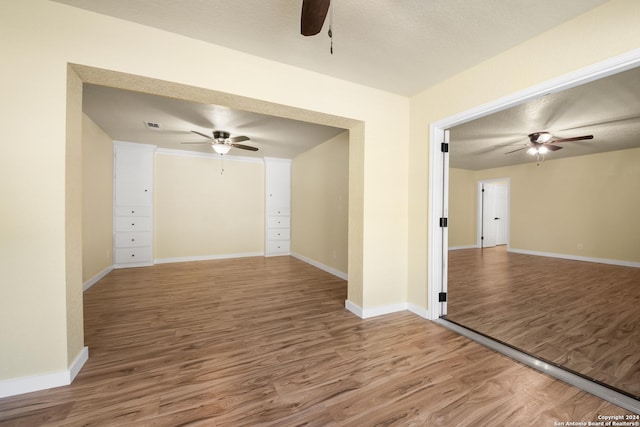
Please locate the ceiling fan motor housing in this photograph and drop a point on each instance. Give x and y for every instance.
(221, 135)
(539, 137)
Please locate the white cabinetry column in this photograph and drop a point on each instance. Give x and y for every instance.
(277, 206)
(133, 204)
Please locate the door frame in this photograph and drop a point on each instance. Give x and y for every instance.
(438, 160)
(480, 213)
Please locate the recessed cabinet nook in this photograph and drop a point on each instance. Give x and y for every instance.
(133, 205)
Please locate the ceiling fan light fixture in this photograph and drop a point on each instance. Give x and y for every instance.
(532, 151)
(543, 150)
(221, 148)
(544, 137)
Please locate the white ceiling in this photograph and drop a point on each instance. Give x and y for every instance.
(400, 46)
(122, 115)
(608, 109)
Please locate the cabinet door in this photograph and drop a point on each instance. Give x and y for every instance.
(133, 177)
(278, 184)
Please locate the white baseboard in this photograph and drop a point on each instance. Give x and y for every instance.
(457, 248)
(365, 313)
(133, 264)
(577, 258)
(354, 308)
(95, 279)
(207, 257)
(420, 311)
(321, 266)
(16, 386)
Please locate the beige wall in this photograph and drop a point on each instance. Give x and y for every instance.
(584, 206)
(73, 218)
(319, 203)
(463, 193)
(45, 37)
(600, 34)
(199, 211)
(38, 320)
(97, 200)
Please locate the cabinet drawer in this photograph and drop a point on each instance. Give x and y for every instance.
(277, 247)
(278, 222)
(132, 223)
(278, 211)
(133, 239)
(278, 234)
(133, 255)
(133, 211)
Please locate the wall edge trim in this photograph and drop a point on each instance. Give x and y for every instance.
(22, 385)
(621, 263)
(95, 279)
(340, 274)
(207, 257)
(214, 156)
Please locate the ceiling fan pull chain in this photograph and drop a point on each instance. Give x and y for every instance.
(331, 37)
(330, 26)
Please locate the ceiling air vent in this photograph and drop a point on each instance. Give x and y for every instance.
(152, 125)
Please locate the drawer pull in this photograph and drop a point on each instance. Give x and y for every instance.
(133, 240)
(132, 224)
(133, 211)
(132, 255)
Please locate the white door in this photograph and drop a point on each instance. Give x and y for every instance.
(501, 212)
(493, 218)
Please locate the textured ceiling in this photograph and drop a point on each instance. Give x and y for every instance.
(122, 115)
(401, 46)
(608, 109)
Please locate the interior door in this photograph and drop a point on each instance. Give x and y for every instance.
(501, 212)
(494, 213)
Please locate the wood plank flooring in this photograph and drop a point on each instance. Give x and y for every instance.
(581, 315)
(267, 341)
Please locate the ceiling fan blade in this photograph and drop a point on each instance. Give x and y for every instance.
(575, 138)
(201, 134)
(551, 147)
(201, 142)
(513, 151)
(244, 147)
(314, 13)
(239, 138)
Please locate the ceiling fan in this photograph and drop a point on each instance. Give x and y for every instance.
(222, 141)
(314, 12)
(541, 143)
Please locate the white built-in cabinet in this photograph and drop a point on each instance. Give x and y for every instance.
(277, 206)
(133, 204)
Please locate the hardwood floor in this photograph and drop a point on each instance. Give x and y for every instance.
(581, 315)
(267, 341)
